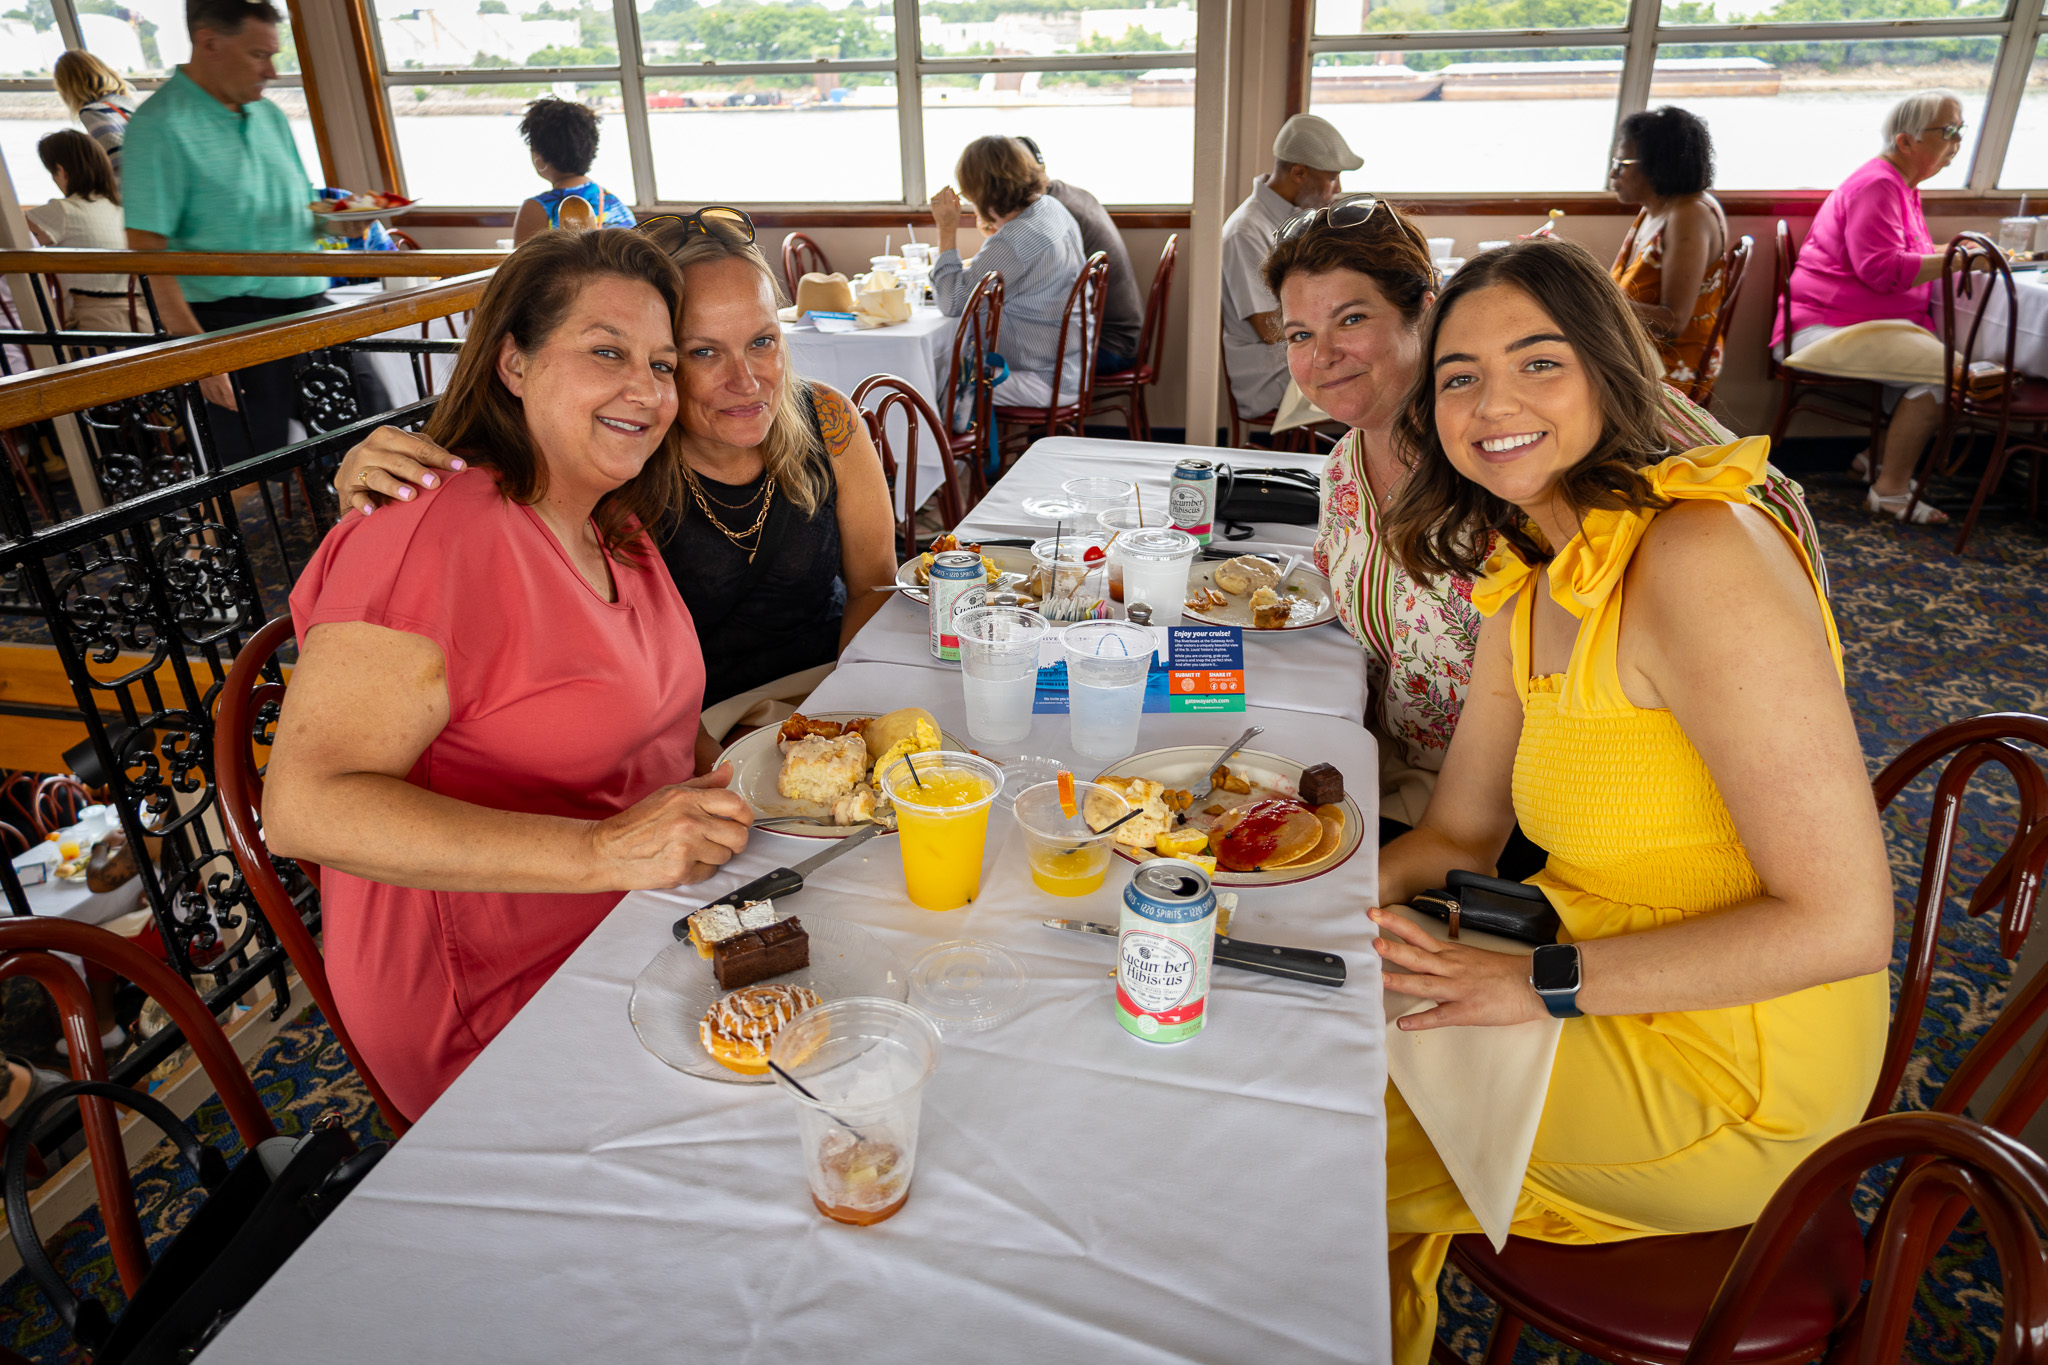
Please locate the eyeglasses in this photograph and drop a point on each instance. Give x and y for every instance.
(1347, 211)
(722, 214)
(1032, 147)
(1615, 165)
(1950, 132)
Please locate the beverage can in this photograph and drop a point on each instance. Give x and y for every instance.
(955, 575)
(1165, 938)
(1191, 498)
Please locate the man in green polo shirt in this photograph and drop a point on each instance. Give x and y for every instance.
(211, 166)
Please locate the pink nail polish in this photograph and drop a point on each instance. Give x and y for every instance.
(405, 493)
(457, 464)
(429, 481)
(369, 508)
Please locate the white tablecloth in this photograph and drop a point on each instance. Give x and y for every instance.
(2030, 345)
(1320, 670)
(1080, 1195)
(918, 350)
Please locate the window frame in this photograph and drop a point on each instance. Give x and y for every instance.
(1645, 33)
(910, 67)
(66, 14)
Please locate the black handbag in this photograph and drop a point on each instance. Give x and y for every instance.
(1491, 905)
(254, 1217)
(1288, 497)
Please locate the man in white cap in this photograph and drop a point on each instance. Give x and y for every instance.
(1309, 157)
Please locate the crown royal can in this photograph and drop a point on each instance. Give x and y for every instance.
(955, 574)
(1165, 937)
(1191, 498)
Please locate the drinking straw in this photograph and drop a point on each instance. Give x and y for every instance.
(2023, 207)
(885, 244)
(911, 228)
(911, 764)
(798, 1086)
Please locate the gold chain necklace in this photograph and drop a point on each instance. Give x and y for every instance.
(738, 538)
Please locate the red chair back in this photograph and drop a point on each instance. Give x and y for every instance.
(1080, 334)
(1787, 257)
(1152, 333)
(918, 419)
(1734, 268)
(1972, 262)
(977, 337)
(800, 257)
(58, 801)
(27, 948)
(245, 719)
(18, 803)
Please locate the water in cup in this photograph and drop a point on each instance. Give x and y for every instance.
(942, 823)
(864, 1061)
(1156, 564)
(999, 670)
(1107, 662)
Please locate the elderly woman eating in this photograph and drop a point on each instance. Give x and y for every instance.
(1670, 264)
(785, 523)
(1867, 266)
(1034, 243)
(492, 728)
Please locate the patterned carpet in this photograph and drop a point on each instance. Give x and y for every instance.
(1930, 638)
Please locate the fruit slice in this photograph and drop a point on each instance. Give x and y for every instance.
(1067, 794)
(1181, 842)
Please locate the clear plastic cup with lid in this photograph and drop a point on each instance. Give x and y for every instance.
(1156, 562)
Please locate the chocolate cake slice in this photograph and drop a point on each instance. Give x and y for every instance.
(1321, 785)
(760, 953)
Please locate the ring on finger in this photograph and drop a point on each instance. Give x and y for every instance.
(362, 478)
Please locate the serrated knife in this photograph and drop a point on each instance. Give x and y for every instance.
(1295, 964)
(783, 881)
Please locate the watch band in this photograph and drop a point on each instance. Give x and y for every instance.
(1562, 1004)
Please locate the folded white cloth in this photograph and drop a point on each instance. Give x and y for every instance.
(1297, 411)
(1477, 1092)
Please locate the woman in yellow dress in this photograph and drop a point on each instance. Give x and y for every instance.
(1659, 701)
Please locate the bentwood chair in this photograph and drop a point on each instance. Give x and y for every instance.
(18, 802)
(244, 721)
(1301, 438)
(975, 341)
(2011, 400)
(883, 396)
(1734, 269)
(28, 948)
(1793, 1281)
(1857, 402)
(1080, 335)
(1128, 388)
(800, 257)
(59, 799)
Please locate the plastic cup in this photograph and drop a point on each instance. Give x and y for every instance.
(1068, 575)
(865, 1060)
(1097, 496)
(2015, 234)
(1449, 266)
(942, 823)
(1156, 564)
(1489, 246)
(1067, 858)
(1116, 522)
(1106, 666)
(1440, 247)
(999, 670)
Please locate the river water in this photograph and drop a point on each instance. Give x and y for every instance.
(1142, 155)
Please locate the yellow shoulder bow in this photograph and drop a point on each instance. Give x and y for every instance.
(1585, 571)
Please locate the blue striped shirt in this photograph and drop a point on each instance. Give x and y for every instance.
(1038, 253)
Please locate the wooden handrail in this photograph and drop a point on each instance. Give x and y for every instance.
(42, 394)
(80, 261)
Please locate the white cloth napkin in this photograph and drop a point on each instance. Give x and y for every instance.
(1297, 411)
(1478, 1092)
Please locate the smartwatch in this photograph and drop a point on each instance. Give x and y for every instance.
(1554, 972)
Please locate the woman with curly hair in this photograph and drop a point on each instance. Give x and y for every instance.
(562, 136)
(1671, 262)
(1657, 699)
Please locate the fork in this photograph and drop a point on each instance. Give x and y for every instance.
(1228, 754)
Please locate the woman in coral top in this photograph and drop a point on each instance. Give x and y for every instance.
(492, 728)
(1689, 764)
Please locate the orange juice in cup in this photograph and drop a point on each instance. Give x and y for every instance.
(942, 823)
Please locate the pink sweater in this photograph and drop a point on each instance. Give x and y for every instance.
(1858, 262)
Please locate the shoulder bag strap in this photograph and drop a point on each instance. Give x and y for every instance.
(87, 1320)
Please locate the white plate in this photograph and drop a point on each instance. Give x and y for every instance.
(1312, 604)
(364, 215)
(674, 991)
(1008, 558)
(756, 763)
(1188, 768)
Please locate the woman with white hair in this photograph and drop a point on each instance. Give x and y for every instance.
(1870, 260)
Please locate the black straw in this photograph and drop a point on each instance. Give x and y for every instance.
(911, 764)
(798, 1086)
(1131, 814)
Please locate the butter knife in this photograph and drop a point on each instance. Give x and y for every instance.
(783, 881)
(1295, 964)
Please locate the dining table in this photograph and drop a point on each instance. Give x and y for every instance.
(2030, 337)
(1080, 1194)
(919, 351)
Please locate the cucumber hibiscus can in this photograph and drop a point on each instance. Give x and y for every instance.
(1165, 938)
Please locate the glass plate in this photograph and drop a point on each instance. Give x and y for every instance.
(674, 991)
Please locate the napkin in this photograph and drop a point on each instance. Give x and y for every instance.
(882, 304)
(1477, 1092)
(1297, 411)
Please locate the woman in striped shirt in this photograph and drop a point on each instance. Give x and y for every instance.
(1353, 281)
(98, 98)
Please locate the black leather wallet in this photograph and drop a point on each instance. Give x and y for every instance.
(1514, 910)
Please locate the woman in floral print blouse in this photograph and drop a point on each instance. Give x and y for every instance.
(1352, 295)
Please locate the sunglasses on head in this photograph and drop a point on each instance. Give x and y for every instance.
(722, 214)
(1347, 211)
(1950, 132)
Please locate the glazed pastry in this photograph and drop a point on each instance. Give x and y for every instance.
(822, 770)
(739, 1028)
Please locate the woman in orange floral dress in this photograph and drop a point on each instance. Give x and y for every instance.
(1671, 264)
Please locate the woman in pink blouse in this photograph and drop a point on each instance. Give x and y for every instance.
(492, 730)
(1869, 257)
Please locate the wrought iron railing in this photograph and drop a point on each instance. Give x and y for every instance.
(148, 599)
